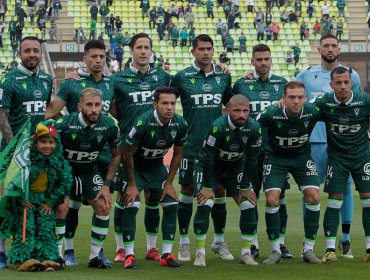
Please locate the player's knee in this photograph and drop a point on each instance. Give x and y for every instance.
(311, 194)
(100, 208)
(272, 198)
(62, 210)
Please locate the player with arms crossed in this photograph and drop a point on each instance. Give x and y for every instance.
(346, 116)
(203, 89)
(316, 80)
(263, 88)
(149, 140)
(232, 140)
(83, 136)
(288, 150)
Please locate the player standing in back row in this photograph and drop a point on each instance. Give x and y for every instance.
(203, 89)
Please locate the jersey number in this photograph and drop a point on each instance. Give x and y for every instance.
(266, 169)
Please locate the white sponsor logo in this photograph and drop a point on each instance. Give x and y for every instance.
(154, 153)
(312, 167)
(81, 156)
(211, 141)
(225, 155)
(141, 96)
(367, 169)
(97, 180)
(34, 106)
(344, 128)
(204, 99)
(132, 132)
(290, 141)
(240, 177)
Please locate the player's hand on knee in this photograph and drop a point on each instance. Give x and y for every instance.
(249, 195)
(169, 190)
(105, 193)
(204, 195)
(130, 195)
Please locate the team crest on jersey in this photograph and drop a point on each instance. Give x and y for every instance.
(218, 79)
(293, 132)
(344, 119)
(161, 143)
(276, 87)
(37, 93)
(45, 85)
(234, 147)
(155, 78)
(357, 111)
(306, 124)
(245, 139)
(85, 146)
(264, 94)
(173, 134)
(144, 86)
(206, 87)
(99, 138)
(107, 85)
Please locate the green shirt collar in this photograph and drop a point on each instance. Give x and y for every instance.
(27, 72)
(231, 125)
(255, 76)
(207, 74)
(348, 102)
(286, 116)
(83, 122)
(157, 118)
(136, 71)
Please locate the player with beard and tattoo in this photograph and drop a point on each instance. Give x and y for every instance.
(316, 80)
(24, 92)
(83, 136)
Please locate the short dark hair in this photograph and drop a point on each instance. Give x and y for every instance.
(29, 38)
(165, 90)
(94, 44)
(293, 84)
(136, 37)
(201, 38)
(327, 36)
(261, 48)
(339, 70)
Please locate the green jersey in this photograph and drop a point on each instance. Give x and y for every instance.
(25, 93)
(226, 145)
(82, 144)
(261, 94)
(153, 139)
(134, 94)
(202, 95)
(288, 136)
(346, 124)
(70, 90)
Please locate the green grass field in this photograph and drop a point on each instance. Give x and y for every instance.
(216, 268)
